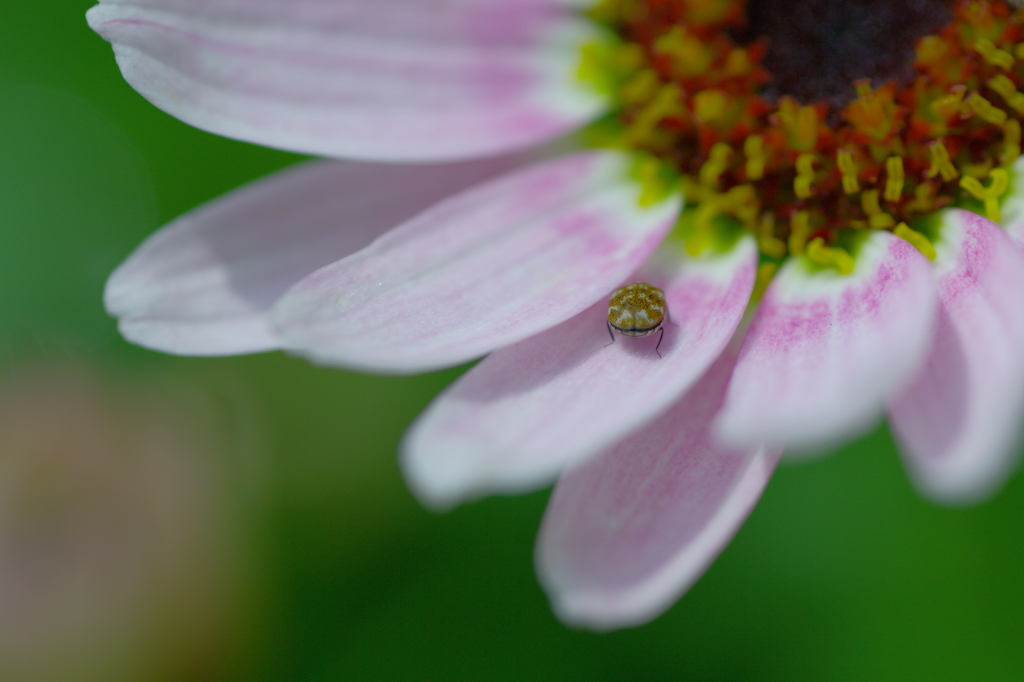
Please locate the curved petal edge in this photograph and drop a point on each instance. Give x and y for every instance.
(959, 422)
(625, 534)
(405, 80)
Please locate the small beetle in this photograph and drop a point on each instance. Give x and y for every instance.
(637, 310)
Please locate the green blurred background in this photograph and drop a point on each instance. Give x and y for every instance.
(284, 546)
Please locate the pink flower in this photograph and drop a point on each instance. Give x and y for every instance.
(409, 268)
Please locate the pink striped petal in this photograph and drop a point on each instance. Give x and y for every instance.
(959, 422)
(627, 533)
(482, 270)
(525, 412)
(398, 80)
(824, 350)
(205, 283)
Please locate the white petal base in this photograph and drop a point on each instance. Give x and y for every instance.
(824, 351)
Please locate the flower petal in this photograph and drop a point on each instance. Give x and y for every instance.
(397, 80)
(959, 421)
(625, 534)
(527, 411)
(824, 350)
(205, 283)
(484, 269)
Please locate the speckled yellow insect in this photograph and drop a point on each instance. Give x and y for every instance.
(637, 310)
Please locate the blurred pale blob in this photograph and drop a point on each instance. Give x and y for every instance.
(119, 551)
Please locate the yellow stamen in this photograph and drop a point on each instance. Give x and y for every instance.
(598, 60)
(877, 219)
(869, 202)
(827, 255)
(993, 55)
(709, 105)
(863, 87)
(916, 239)
(628, 57)
(932, 50)
(880, 221)
(717, 163)
(702, 219)
(693, 191)
(848, 167)
(990, 195)
(1008, 91)
(702, 12)
(766, 240)
(666, 103)
(874, 113)
(690, 56)
(940, 162)
(1011, 141)
(894, 181)
(741, 194)
(648, 171)
(592, 66)
(738, 63)
(765, 273)
(753, 148)
(949, 105)
(799, 230)
(923, 200)
(742, 202)
(985, 109)
(800, 124)
(978, 170)
(640, 88)
(804, 176)
(807, 125)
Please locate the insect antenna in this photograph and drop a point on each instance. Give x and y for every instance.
(610, 334)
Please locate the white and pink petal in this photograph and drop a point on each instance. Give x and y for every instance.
(628, 532)
(484, 269)
(959, 422)
(824, 350)
(396, 80)
(205, 283)
(527, 411)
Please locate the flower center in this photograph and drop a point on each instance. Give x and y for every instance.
(817, 49)
(805, 122)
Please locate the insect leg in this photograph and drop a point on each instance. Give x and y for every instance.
(610, 334)
(659, 342)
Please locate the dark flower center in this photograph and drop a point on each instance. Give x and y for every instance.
(817, 49)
